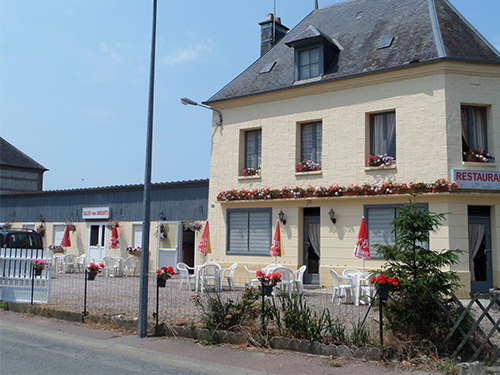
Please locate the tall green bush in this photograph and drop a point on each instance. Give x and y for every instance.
(412, 312)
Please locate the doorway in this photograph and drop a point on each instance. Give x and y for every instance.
(169, 234)
(188, 240)
(480, 263)
(311, 253)
(97, 242)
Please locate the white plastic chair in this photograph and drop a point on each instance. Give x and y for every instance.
(80, 262)
(69, 263)
(229, 277)
(367, 288)
(110, 264)
(209, 272)
(287, 279)
(251, 280)
(183, 269)
(271, 268)
(59, 262)
(338, 288)
(299, 279)
(355, 276)
(130, 263)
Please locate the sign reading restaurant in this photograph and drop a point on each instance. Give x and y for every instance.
(476, 179)
(95, 213)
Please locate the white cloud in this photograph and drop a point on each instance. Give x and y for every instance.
(111, 52)
(189, 53)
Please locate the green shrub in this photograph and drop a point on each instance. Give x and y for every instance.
(424, 277)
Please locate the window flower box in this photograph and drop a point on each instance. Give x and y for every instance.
(379, 160)
(306, 166)
(477, 156)
(250, 171)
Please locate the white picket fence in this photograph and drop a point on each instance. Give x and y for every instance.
(17, 281)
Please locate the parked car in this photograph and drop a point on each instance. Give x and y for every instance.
(18, 239)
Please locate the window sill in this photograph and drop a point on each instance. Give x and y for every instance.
(476, 164)
(308, 173)
(254, 177)
(380, 168)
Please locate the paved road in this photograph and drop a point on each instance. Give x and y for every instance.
(35, 345)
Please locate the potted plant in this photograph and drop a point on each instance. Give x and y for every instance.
(112, 224)
(134, 250)
(352, 190)
(194, 226)
(38, 266)
(384, 284)
(41, 229)
(379, 160)
(250, 171)
(6, 225)
(162, 275)
(268, 281)
(477, 156)
(442, 185)
(163, 232)
(56, 249)
(93, 269)
(71, 226)
(306, 165)
(420, 187)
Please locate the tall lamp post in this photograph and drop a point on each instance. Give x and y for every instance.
(142, 329)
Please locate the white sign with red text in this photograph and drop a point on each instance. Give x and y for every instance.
(485, 180)
(95, 213)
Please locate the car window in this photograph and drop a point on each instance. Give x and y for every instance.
(24, 241)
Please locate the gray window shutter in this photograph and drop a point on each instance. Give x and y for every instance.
(380, 228)
(259, 232)
(249, 231)
(238, 231)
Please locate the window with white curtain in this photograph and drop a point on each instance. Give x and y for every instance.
(249, 231)
(311, 140)
(383, 134)
(253, 148)
(137, 233)
(474, 128)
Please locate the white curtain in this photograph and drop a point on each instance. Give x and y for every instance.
(479, 138)
(313, 233)
(378, 135)
(465, 126)
(476, 235)
(391, 131)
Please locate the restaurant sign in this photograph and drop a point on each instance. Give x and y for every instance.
(95, 213)
(476, 179)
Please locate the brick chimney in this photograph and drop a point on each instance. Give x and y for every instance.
(268, 37)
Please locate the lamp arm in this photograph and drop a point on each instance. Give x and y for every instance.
(215, 110)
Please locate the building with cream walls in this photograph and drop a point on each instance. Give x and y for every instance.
(414, 82)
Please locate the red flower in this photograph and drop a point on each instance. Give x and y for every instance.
(259, 273)
(101, 265)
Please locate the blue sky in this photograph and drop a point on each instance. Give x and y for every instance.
(74, 80)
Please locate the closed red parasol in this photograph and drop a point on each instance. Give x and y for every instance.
(66, 242)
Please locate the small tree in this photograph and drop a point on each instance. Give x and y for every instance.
(412, 312)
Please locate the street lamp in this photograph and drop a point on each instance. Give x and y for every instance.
(187, 101)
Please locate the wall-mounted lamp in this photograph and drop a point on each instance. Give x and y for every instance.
(187, 101)
(42, 220)
(332, 215)
(281, 215)
(162, 216)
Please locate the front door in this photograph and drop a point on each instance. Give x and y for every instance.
(97, 242)
(480, 254)
(311, 245)
(169, 240)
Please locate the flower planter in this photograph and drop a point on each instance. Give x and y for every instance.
(349, 193)
(308, 195)
(91, 276)
(383, 294)
(267, 289)
(135, 253)
(440, 190)
(472, 159)
(424, 190)
(38, 271)
(160, 282)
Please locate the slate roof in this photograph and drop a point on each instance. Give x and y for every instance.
(423, 31)
(10, 156)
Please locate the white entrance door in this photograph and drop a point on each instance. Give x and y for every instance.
(169, 240)
(97, 242)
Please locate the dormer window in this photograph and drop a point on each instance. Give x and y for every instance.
(309, 66)
(315, 54)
